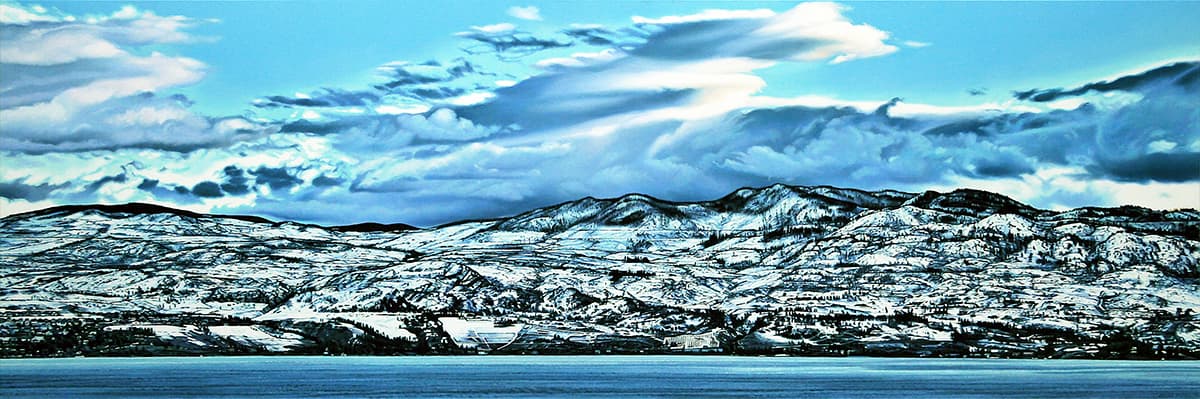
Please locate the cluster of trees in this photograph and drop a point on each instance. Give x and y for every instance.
(715, 238)
(71, 338)
(617, 274)
(26, 338)
(787, 231)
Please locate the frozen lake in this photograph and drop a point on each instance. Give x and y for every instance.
(595, 377)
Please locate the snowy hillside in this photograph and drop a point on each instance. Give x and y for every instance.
(781, 269)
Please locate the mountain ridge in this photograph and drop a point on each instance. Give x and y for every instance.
(923, 199)
(143, 208)
(778, 269)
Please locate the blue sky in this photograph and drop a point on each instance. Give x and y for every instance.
(978, 45)
(427, 112)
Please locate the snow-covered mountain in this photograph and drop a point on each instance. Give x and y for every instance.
(781, 269)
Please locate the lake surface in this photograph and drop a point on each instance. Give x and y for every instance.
(594, 377)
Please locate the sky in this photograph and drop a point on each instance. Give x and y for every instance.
(430, 112)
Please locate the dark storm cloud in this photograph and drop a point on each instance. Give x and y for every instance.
(436, 93)
(238, 181)
(235, 182)
(510, 45)
(596, 35)
(973, 126)
(429, 81)
(322, 127)
(30, 192)
(1163, 167)
(1148, 140)
(1182, 74)
(326, 181)
(165, 192)
(1003, 165)
(429, 72)
(323, 98)
(119, 178)
(207, 189)
(808, 145)
(276, 178)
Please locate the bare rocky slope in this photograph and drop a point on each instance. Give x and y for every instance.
(781, 269)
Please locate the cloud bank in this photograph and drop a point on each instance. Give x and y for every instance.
(72, 84)
(669, 106)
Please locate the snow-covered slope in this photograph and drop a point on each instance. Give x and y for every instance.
(780, 269)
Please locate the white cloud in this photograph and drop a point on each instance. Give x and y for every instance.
(471, 98)
(153, 73)
(15, 206)
(1161, 146)
(823, 22)
(706, 15)
(916, 44)
(580, 59)
(1062, 188)
(529, 13)
(1164, 196)
(56, 47)
(683, 73)
(495, 28)
(114, 94)
(905, 109)
(1066, 103)
(13, 14)
(389, 109)
(126, 12)
(229, 125)
(809, 32)
(149, 116)
(442, 124)
(60, 40)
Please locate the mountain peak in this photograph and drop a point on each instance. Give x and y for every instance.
(971, 201)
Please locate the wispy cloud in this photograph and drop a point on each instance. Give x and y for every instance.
(916, 44)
